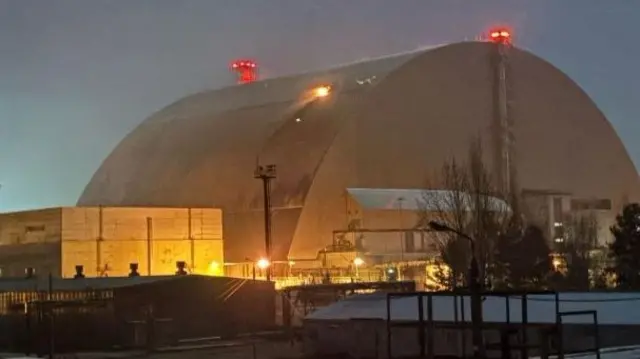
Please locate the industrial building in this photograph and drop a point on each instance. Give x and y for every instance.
(374, 129)
(105, 241)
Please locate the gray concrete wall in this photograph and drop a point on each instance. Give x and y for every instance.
(25, 227)
(43, 257)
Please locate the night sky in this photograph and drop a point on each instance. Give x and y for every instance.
(78, 75)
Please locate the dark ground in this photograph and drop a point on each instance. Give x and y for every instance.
(224, 350)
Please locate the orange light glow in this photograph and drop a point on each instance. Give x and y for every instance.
(263, 263)
(322, 91)
(500, 35)
(215, 269)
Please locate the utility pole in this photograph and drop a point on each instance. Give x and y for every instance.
(474, 290)
(266, 174)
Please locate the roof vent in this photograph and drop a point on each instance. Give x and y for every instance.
(30, 272)
(133, 267)
(181, 265)
(79, 272)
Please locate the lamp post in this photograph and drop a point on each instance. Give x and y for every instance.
(474, 289)
(266, 174)
(357, 262)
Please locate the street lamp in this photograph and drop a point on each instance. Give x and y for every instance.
(264, 265)
(357, 262)
(266, 174)
(321, 91)
(474, 288)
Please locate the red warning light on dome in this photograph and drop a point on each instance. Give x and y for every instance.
(500, 35)
(246, 70)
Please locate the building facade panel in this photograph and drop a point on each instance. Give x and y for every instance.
(106, 240)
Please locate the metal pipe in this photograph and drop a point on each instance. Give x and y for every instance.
(266, 189)
(192, 240)
(421, 326)
(380, 230)
(149, 239)
(99, 269)
(389, 351)
(49, 311)
(431, 329)
(476, 309)
(524, 351)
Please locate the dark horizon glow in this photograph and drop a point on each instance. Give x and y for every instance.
(78, 75)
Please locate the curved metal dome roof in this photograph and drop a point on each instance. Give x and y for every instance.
(389, 123)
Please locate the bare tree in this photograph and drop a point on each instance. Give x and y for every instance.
(464, 198)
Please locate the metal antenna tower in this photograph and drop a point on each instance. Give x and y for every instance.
(504, 139)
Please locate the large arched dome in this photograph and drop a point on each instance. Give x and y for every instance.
(389, 123)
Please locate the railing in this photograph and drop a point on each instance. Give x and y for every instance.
(284, 282)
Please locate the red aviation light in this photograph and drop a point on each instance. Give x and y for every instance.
(500, 35)
(246, 70)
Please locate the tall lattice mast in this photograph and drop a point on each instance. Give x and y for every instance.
(504, 140)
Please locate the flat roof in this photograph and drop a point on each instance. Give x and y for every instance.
(418, 199)
(69, 284)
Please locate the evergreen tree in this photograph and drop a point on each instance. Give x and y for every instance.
(523, 259)
(577, 251)
(625, 249)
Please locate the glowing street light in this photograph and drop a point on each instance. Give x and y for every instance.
(263, 263)
(215, 269)
(322, 91)
(357, 262)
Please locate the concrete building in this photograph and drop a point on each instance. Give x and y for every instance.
(105, 240)
(387, 124)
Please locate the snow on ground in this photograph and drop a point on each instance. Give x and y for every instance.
(632, 352)
(612, 308)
